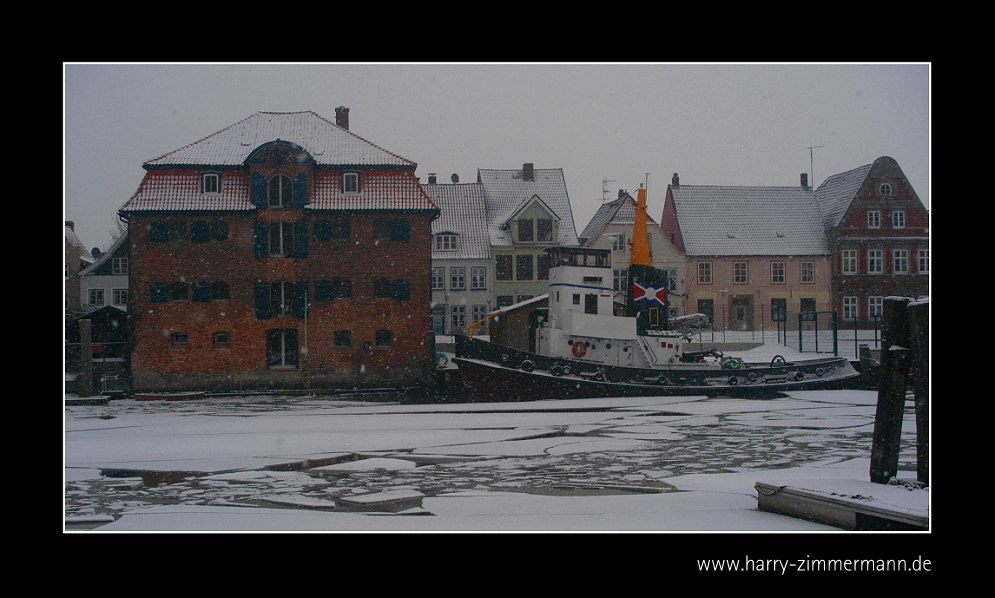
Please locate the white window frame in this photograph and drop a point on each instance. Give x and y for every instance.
(350, 182)
(478, 313)
(284, 192)
(873, 218)
(740, 273)
(898, 219)
(95, 298)
(282, 247)
(119, 265)
(620, 280)
(119, 297)
(875, 306)
(445, 242)
(807, 272)
(777, 273)
(704, 272)
(900, 261)
(457, 278)
(875, 261)
(458, 317)
(923, 261)
(438, 279)
(849, 308)
(478, 278)
(617, 241)
(211, 182)
(849, 261)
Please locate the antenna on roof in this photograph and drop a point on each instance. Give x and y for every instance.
(811, 150)
(604, 187)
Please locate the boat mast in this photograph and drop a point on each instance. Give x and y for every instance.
(640, 241)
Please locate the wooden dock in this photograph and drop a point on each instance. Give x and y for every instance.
(849, 504)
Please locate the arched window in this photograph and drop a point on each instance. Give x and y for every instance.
(281, 192)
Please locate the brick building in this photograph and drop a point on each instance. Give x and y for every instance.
(754, 254)
(281, 245)
(878, 233)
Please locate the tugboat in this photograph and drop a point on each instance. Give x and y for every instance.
(585, 350)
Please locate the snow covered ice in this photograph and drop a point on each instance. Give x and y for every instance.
(311, 463)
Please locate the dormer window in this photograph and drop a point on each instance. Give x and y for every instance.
(525, 230)
(445, 242)
(281, 192)
(544, 230)
(210, 182)
(350, 182)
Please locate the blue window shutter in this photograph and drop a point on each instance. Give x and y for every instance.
(322, 230)
(262, 300)
(201, 291)
(300, 298)
(300, 190)
(260, 240)
(158, 232)
(300, 239)
(324, 290)
(200, 231)
(258, 190)
(160, 292)
(400, 290)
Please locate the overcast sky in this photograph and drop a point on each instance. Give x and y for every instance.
(728, 124)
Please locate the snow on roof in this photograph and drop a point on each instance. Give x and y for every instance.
(505, 191)
(327, 143)
(464, 212)
(379, 190)
(717, 220)
(836, 193)
(105, 256)
(620, 211)
(84, 253)
(179, 190)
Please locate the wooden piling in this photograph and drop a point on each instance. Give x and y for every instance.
(919, 335)
(895, 359)
(85, 360)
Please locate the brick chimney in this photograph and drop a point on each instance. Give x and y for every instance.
(676, 181)
(71, 225)
(342, 117)
(528, 172)
(431, 178)
(804, 180)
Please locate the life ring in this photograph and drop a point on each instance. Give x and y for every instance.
(579, 350)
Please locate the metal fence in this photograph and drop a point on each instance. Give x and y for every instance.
(808, 332)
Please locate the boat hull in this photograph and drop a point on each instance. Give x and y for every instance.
(492, 373)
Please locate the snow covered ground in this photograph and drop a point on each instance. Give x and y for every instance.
(308, 463)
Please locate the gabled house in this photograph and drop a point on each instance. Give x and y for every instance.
(76, 258)
(461, 257)
(528, 210)
(282, 251)
(878, 234)
(754, 254)
(105, 282)
(611, 228)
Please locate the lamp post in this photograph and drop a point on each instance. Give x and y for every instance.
(445, 318)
